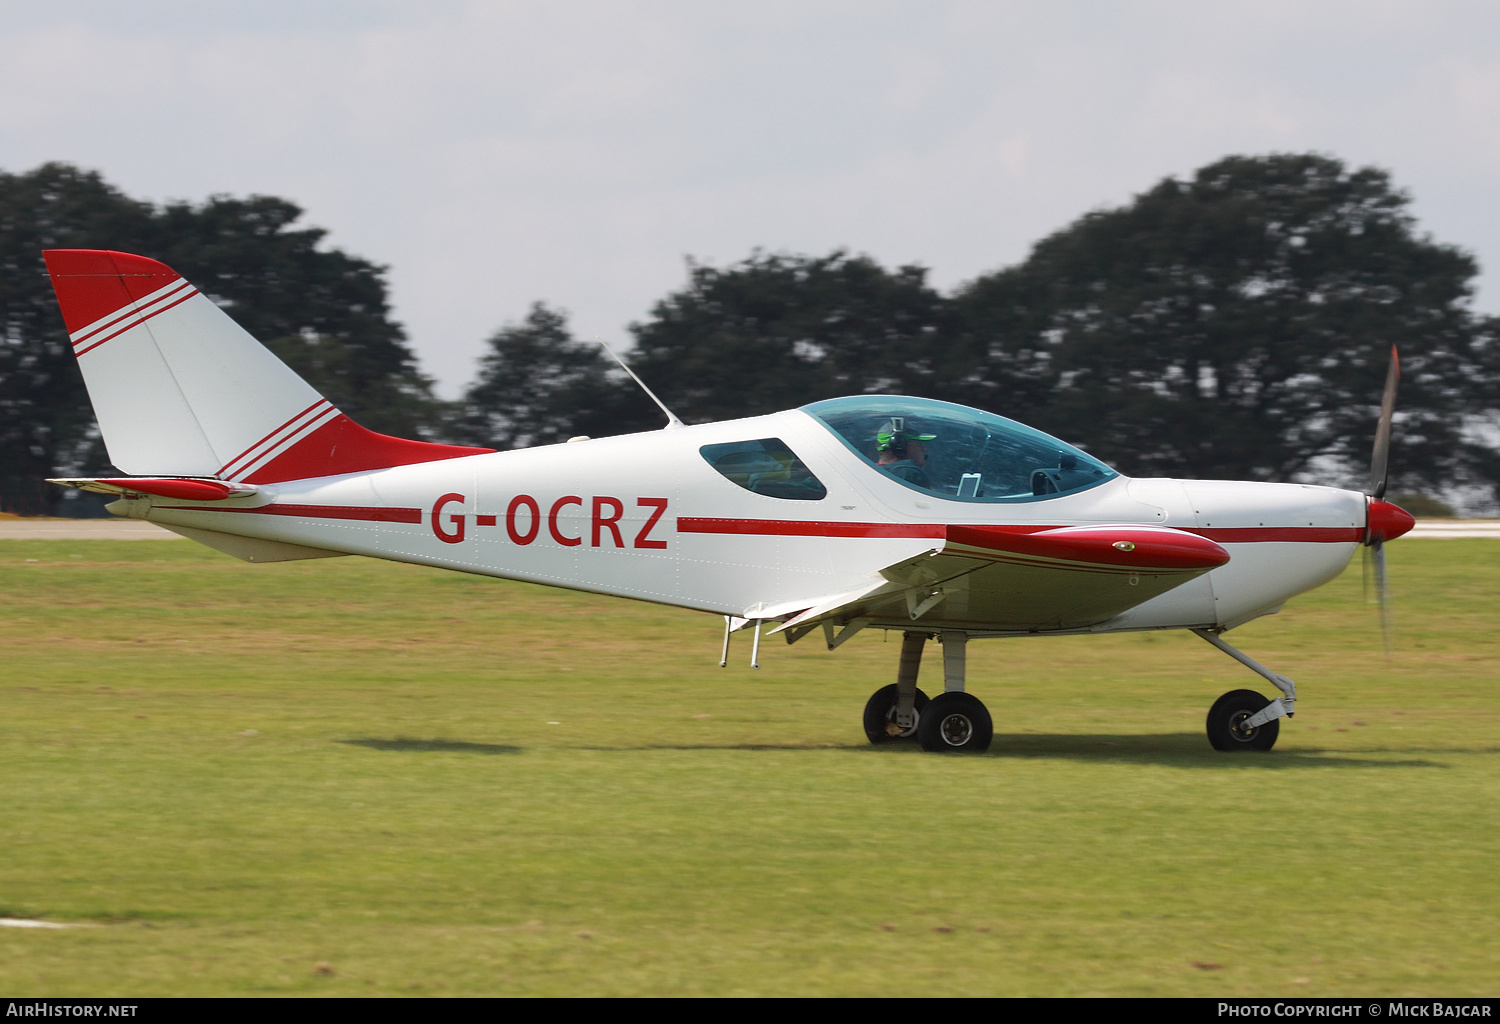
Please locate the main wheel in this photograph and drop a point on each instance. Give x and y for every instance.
(956, 722)
(880, 715)
(1226, 722)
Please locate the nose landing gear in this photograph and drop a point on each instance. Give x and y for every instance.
(1243, 719)
(1229, 721)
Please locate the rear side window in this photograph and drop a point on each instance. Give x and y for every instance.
(766, 466)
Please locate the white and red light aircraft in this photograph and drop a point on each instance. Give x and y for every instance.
(873, 511)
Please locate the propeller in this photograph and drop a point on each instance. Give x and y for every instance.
(1380, 458)
(1384, 521)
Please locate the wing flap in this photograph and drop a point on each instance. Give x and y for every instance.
(827, 607)
(1020, 579)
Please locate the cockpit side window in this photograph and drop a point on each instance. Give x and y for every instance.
(954, 452)
(765, 466)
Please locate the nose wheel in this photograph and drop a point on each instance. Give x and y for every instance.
(1229, 722)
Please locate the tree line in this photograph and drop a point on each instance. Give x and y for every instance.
(1234, 324)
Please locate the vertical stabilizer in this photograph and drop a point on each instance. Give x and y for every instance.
(180, 389)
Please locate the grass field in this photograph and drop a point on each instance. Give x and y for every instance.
(351, 777)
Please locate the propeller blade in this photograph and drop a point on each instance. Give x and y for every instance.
(1380, 458)
(1377, 555)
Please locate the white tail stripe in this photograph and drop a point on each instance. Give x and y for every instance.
(128, 310)
(324, 417)
(271, 436)
(89, 340)
(279, 440)
(276, 436)
(132, 324)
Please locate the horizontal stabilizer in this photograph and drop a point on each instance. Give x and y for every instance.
(184, 488)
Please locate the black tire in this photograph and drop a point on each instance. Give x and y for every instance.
(1231, 709)
(956, 723)
(880, 712)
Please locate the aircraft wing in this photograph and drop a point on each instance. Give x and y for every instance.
(1022, 578)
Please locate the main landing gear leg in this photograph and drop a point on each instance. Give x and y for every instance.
(892, 713)
(1244, 719)
(955, 721)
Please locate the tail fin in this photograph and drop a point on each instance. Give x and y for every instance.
(180, 389)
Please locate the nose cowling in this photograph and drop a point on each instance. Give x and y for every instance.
(1386, 521)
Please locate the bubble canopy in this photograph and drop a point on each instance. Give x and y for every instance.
(957, 453)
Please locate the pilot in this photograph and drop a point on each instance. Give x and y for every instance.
(903, 454)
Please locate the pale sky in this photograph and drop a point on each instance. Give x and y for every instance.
(493, 154)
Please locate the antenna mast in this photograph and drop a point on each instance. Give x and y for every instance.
(672, 420)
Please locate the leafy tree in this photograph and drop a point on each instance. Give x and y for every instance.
(1234, 325)
(324, 312)
(778, 331)
(1238, 325)
(772, 332)
(537, 384)
(45, 417)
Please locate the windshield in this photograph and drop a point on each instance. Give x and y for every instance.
(958, 453)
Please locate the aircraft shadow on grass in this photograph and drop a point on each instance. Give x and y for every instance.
(1184, 750)
(409, 745)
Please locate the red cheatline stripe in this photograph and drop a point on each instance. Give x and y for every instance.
(1289, 534)
(362, 512)
(130, 310)
(270, 438)
(799, 528)
(795, 528)
(133, 324)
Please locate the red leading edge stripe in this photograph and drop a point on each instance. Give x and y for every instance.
(1130, 548)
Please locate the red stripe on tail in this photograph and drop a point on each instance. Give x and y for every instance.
(343, 446)
(93, 283)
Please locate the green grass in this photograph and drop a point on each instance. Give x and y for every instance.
(351, 777)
